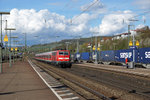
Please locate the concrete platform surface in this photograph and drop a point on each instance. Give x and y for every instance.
(20, 82)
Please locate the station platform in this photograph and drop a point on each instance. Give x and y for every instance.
(21, 82)
(136, 71)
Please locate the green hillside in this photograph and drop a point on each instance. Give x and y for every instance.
(143, 36)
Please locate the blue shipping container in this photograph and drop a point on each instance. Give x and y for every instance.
(144, 55)
(85, 56)
(121, 55)
(107, 56)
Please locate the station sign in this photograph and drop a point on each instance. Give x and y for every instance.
(16, 49)
(133, 47)
(137, 43)
(6, 38)
(12, 49)
(130, 43)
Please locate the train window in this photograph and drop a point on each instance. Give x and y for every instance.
(61, 53)
(65, 53)
(54, 53)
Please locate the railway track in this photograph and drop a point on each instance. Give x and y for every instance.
(73, 82)
(114, 80)
(103, 88)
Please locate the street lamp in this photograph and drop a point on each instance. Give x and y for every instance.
(2, 13)
(10, 44)
(56, 38)
(96, 48)
(133, 40)
(25, 39)
(14, 42)
(67, 47)
(39, 45)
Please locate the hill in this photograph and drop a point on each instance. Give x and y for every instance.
(106, 43)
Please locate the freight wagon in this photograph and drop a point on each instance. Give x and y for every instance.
(117, 57)
(144, 56)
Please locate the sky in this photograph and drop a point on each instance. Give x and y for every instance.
(46, 21)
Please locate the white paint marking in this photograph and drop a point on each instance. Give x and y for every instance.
(62, 91)
(66, 94)
(45, 81)
(71, 98)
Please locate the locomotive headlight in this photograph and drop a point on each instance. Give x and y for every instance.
(60, 58)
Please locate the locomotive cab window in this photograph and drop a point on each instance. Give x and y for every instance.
(65, 53)
(61, 53)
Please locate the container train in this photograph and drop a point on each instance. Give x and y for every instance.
(117, 57)
(58, 57)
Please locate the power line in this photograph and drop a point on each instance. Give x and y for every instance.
(140, 14)
(85, 10)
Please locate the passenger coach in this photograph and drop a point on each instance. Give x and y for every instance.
(58, 57)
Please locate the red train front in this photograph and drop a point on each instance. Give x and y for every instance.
(58, 57)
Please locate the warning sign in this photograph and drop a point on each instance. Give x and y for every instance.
(16, 49)
(12, 49)
(6, 38)
(130, 43)
(137, 43)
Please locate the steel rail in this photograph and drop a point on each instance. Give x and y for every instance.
(111, 81)
(100, 95)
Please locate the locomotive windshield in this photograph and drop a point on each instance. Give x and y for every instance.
(63, 53)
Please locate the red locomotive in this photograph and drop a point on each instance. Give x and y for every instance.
(58, 57)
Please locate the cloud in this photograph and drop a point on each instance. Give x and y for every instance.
(143, 4)
(45, 23)
(83, 18)
(113, 23)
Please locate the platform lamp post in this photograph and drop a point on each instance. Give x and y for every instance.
(40, 45)
(10, 45)
(25, 43)
(56, 39)
(14, 42)
(78, 55)
(96, 48)
(6, 40)
(133, 41)
(67, 45)
(1, 65)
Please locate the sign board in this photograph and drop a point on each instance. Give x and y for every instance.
(133, 47)
(93, 48)
(137, 43)
(6, 38)
(78, 55)
(16, 49)
(12, 49)
(130, 43)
